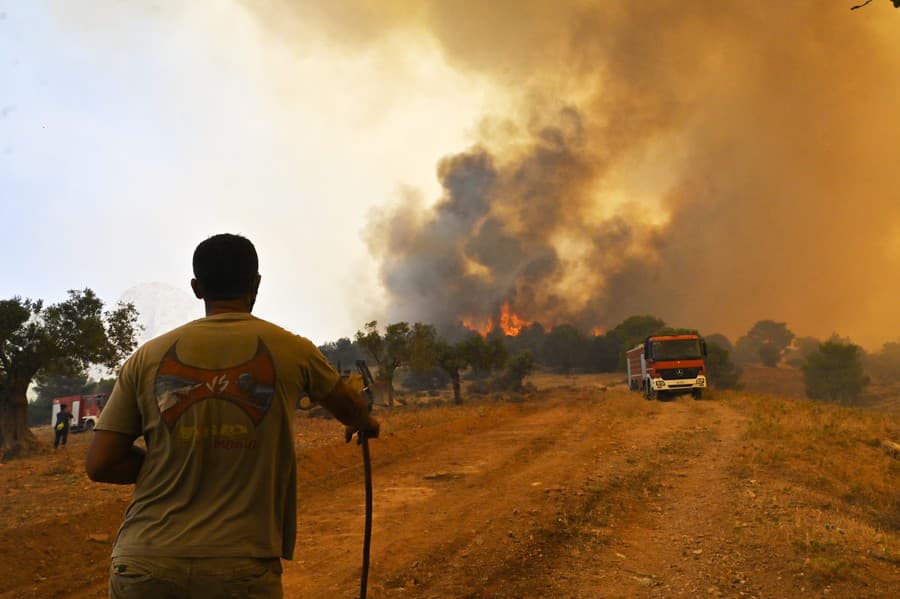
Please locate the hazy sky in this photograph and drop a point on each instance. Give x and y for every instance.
(130, 131)
(712, 163)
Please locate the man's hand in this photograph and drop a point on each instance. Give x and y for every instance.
(348, 406)
(371, 430)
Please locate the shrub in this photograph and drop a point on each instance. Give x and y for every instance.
(835, 372)
(722, 372)
(512, 377)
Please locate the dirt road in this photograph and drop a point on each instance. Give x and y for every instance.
(574, 493)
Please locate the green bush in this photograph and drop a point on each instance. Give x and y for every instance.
(722, 372)
(835, 372)
(518, 367)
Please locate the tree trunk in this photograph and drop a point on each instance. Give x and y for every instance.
(457, 396)
(390, 392)
(386, 377)
(16, 439)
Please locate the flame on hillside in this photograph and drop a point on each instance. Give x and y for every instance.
(482, 327)
(609, 177)
(510, 322)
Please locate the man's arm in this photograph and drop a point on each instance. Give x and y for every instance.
(351, 409)
(114, 458)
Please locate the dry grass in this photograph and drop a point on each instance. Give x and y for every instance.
(838, 490)
(786, 381)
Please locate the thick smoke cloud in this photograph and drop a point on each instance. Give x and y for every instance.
(712, 163)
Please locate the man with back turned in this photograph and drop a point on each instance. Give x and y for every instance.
(214, 507)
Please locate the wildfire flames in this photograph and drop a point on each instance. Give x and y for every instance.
(592, 158)
(482, 328)
(510, 323)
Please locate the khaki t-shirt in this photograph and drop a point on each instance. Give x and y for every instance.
(214, 401)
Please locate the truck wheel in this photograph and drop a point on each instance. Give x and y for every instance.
(88, 426)
(697, 393)
(649, 394)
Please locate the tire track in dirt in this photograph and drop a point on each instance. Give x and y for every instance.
(603, 466)
(679, 541)
(707, 529)
(471, 517)
(433, 499)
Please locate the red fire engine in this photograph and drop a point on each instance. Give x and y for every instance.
(85, 410)
(667, 365)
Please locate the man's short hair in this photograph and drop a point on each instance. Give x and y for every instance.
(226, 266)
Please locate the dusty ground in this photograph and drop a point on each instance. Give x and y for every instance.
(571, 491)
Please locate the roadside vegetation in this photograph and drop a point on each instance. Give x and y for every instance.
(819, 476)
(52, 348)
(421, 358)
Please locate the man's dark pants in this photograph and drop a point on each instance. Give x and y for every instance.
(185, 578)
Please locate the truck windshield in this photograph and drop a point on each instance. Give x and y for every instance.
(676, 349)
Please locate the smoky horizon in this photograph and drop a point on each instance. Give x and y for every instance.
(713, 164)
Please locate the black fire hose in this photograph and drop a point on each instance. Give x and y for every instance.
(363, 439)
(367, 535)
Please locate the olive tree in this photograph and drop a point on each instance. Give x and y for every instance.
(766, 341)
(390, 350)
(62, 338)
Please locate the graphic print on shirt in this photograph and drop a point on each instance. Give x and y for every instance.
(250, 386)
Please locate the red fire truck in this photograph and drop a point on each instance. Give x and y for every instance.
(85, 410)
(665, 365)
